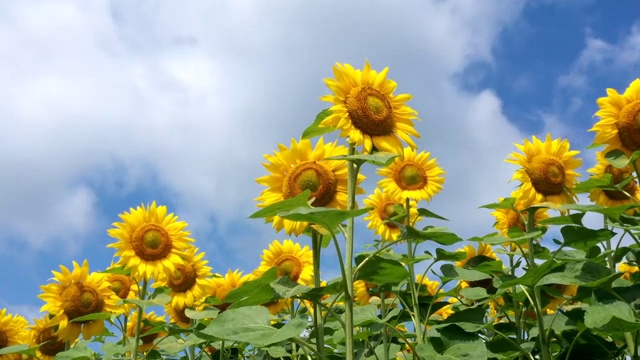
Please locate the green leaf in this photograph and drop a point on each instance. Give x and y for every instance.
(613, 212)
(314, 129)
(295, 202)
(18, 349)
(444, 255)
(474, 293)
(254, 292)
(451, 272)
(381, 271)
(160, 300)
(326, 217)
(287, 288)
(94, 316)
(378, 158)
(467, 351)
(470, 320)
(573, 219)
(506, 203)
(582, 238)
(614, 316)
(363, 315)
(617, 158)
(602, 182)
(532, 276)
(204, 314)
(491, 239)
(429, 214)
(431, 233)
(78, 352)
(587, 273)
(251, 324)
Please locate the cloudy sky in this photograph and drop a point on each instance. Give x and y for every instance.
(106, 105)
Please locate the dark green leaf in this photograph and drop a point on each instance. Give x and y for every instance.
(468, 351)
(614, 316)
(602, 182)
(429, 214)
(255, 292)
(444, 255)
(451, 272)
(300, 201)
(326, 217)
(438, 235)
(381, 271)
(314, 129)
(573, 219)
(582, 238)
(94, 316)
(506, 203)
(287, 288)
(474, 293)
(18, 349)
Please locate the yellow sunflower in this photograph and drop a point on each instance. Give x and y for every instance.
(447, 310)
(515, 217)
(547, 171)
(383, 208)
(471, 252)
(149, 321)
(363, 292)
(150, 241)
(627, 269)
(189, 282)
(552, 302)
(431, 286)
(290, 259)
(222, 285)
(13, 331)
(619, 114)
(275, 307)
(43, 335)
(612, 197)
(413, 175)
(125, 287)
(78, 293)
(300, 167)
(177, 316)
(366, 110)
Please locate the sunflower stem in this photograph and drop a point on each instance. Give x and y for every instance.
(143, 294)
(352, 175)
(412, 278)
(385, 335)
(317, 309)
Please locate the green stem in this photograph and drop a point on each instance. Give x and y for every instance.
(385, 336)
(352, 176)
(516, 306)
(317, 309)
(143, 294)
(412, 280)
(610, 260)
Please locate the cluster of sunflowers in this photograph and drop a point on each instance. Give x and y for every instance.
(311, 190)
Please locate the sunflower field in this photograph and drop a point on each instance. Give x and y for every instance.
(542, 286)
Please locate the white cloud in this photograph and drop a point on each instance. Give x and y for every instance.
(190, 95)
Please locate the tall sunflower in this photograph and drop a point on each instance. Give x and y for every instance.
(43, 335)
(78, 293)
(619, 115)
(222, 285)
(150, 321)
(366, 110)
(150, 241)
(190, 282)
(300, 167)
(413, 175)
(125, 287)
(612, 197)
(384, 208)
(515, 217)
(290, 259)
(13, 331)
(471, 252)
(547, 170)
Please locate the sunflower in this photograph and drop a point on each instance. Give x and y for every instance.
(177, 316)
(150, 241)
(150, 321)
(619, 114)
(78, 293)
(515, 217)
(363, 292)
(275, 307)
(222, 285)
(628, 270)
(189, 282)
(431, 286)
(43, 335)
(610, 198)
(471, 252)
(125, 287)
(300, 167)
(547, 171)
(366, 110)
(447, 310)
(384, 208)
(413, 175)
(552, 302)
(290, 259)
(13, 331)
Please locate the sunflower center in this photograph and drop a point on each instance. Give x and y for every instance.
(147, 339)
(151, 242)
(4, 340)
(80, 300)
(50, 343)
(182, 317)
(514, 219)
(629, 126)
(618, 176)
(389, 211)
(120, 285)
(183, 278)
(370, 111)
(289, 265)
(410, 177)
(310, 176)
(547, 175)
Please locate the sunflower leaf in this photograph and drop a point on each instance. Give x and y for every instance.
(429, 214)
(601, 182)
(506, 203)
(573, 219)
(254, 292)
(314, 129)
(380, 271)
(325, 217)
(617, 158)
(438, 235)
(300, 201)
(378, 159)
(582, 238)
(18, 349)
(94, 316)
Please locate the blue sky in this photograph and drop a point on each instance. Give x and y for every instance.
(106, 105)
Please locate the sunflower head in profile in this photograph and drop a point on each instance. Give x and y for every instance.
(628, 270)
(413, 175)
(222, 285)
(43, 335)
(367, 112)
(178, 316)
(78, 293)
(13, 331)
(547, 171)
(150, 241)
(515, 217)
(619, 116)
(150, 321)
(290, 259)
(630, 193)
(190, 282)
(302, 167)
(385, 207)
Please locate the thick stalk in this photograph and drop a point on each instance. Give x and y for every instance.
(412, 280)
(516, 307)
(143, 294)
(317, 309)
(385, 334)
(352, 175)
